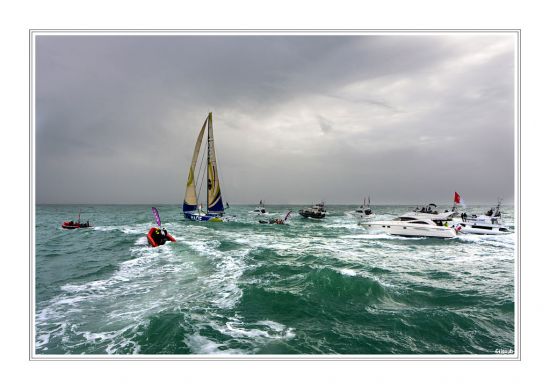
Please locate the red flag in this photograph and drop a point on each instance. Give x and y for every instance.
(457, 198)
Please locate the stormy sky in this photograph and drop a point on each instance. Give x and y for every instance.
(408, 119)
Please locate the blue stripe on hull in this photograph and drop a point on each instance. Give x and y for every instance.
(200, 217)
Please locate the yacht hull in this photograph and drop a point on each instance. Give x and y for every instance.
(409, 230)
(485, 230)
(307, 214)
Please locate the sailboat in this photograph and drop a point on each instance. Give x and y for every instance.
(191, 208)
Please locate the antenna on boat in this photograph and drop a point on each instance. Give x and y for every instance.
(499, 202)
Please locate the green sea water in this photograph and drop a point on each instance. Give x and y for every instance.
(241, 287)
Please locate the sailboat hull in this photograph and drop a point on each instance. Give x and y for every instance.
(203, 217)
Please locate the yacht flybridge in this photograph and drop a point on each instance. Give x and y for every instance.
(412, 227)
(430, 212)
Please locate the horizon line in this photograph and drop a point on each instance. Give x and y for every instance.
(255, 204)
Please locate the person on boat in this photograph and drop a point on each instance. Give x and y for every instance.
(159, 237)
(489, 213)
(164, 236)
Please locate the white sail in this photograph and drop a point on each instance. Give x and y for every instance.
(190, 200)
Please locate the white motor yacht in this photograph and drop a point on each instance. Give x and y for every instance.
(364, 211)
(317, 211)
(412, 227)
(489, 223)
(260, 209)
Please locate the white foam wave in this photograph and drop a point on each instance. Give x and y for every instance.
(141, 286)
(259, 332)
(384, 236)
(347, 272)
(204, 346)
(504, 240)
(126, 229)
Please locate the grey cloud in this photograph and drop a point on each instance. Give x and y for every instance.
(296, 118)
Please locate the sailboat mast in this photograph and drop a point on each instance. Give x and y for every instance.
(209, 160)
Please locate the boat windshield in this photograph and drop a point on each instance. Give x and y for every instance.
(405, 219)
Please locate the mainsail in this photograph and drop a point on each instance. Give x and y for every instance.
(213, 196)
(190, 200)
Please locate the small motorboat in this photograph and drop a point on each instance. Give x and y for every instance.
(364, 211)
(413, 227)
(75, 225)
(157, 236)
(277, 221)
(260, 209)
(317, 211)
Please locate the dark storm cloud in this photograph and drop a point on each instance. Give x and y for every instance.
(297, 118)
